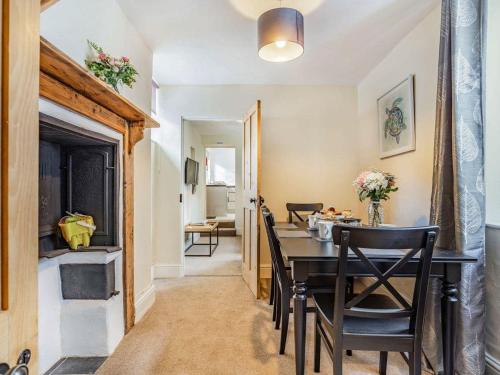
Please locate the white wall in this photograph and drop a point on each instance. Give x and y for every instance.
(68, 24)
(416, 54)
(492, 182)
(305, 155)
(194, 204)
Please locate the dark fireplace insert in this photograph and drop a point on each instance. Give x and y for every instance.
(78, 173)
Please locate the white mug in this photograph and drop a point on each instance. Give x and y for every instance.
(312, 221)
(325, 229)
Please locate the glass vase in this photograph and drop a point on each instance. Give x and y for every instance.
(375, 214)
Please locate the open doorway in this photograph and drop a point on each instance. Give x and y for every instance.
(212, 197)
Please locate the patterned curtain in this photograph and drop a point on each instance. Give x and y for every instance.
(458, 205)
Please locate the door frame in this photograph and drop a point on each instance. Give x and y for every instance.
(182, 198)
(19, 180)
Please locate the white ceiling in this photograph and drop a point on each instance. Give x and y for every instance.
(213, 127)
(214, 41)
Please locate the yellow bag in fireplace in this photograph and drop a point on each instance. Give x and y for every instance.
(77, 229)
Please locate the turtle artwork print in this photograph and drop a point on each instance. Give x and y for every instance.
(396, 119)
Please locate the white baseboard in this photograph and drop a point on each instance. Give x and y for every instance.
(492, 365)
(144, 302)
(265, 271)
(168, 271)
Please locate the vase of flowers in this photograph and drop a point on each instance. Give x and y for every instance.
(375, 214)
(375, 185)
(114, 71)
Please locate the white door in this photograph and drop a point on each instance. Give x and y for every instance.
(251, 203)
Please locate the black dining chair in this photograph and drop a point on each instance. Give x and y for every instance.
(273, 288)
(283, 282)
(376, 322)
(295, 208)
(265, 209)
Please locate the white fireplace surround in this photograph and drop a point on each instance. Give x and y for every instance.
(79, 328)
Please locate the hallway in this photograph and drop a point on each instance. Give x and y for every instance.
(214, 326)
(225, 261)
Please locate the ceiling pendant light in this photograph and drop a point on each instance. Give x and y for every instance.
(281, 35)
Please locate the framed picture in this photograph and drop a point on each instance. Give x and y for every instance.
(396, 119)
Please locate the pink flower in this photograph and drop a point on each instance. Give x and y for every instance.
(361, 179)
(102, 56)
(125, 59)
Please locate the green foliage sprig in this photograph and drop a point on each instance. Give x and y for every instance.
(114, 71)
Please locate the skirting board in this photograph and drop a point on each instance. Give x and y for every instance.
(492, 365)
(168, 271)
(144, 303)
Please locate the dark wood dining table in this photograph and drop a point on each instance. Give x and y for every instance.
(310, 256)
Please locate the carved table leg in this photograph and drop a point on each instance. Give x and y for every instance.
(299, 275)
(449, 305)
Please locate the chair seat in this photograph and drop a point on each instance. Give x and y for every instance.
(360, 326)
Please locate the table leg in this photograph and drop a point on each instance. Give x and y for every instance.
(449, 304)
(299, 275)
(210, 243)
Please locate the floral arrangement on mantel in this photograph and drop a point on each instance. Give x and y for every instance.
(114, 71)
(377, 186)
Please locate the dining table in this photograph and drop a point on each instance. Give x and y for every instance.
(308, 255)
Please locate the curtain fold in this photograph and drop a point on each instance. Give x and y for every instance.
(458, 204)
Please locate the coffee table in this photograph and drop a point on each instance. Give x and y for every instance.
(203, 228)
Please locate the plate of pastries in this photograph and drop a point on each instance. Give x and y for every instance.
(332, 214)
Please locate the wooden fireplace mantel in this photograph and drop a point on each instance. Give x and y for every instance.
(65, 82)
(68, 84)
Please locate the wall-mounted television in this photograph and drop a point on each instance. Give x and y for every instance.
(191, 170)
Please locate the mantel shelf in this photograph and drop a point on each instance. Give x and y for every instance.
(57, 65)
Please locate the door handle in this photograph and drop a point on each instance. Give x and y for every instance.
(253, 200)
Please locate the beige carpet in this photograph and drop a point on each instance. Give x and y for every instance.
(225, 261)
(213, 325)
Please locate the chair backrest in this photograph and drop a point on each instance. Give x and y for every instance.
(360, 240)
(274, 246)
(295, 208)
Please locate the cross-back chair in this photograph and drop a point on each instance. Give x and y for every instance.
(295, 208)
(265, 210)
(282, 285)
(369, 321)
(283, 282)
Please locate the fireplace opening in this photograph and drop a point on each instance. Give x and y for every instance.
(78, 173)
